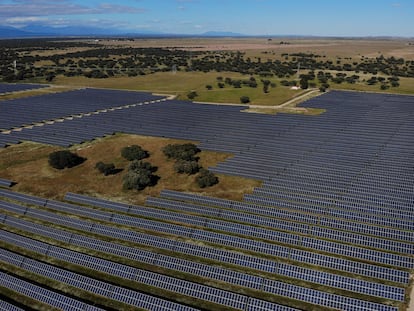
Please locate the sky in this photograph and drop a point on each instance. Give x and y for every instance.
(250, 17)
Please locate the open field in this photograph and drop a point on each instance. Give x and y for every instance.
(327, 47)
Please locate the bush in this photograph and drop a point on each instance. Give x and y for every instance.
(185, 152)
(134, 152)
(64, 158)
(106, 169)
(244, 99)
(191, 95)
(139, 176)
(206, 179)
(186, 167)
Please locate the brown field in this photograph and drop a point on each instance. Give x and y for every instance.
(328, 47)
(27, 164)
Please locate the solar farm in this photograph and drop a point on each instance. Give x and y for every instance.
(331, 226)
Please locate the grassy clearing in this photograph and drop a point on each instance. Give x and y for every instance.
(27, 164)
(181, 83)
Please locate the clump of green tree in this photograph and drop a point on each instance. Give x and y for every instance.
(245, 99)
(106, 168)
(140, 175)
(186, 167)
(134, 152)
(206, 178)
(185, 156)
(186, 152)
(64, 159)
(187, 163)
(191, 95)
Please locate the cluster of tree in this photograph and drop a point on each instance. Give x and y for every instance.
(187, 163)
(106, 168)
(134, 152)
(97, 61)
(239, 83)
(64, 159)
(140, 175)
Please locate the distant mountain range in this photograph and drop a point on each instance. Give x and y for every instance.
(45, 31)
(35, 31)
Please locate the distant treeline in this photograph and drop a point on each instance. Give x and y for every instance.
(19, 61)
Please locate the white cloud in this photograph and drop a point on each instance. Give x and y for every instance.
(19, 8)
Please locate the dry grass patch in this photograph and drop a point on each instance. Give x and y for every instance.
(27, 164)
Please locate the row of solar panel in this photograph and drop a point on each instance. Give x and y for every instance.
(173, 230)
(63, 104)
(291, 215)
(349, 203)
(149, 277)
(302, 256)
(341, 214)
(13, 87)
(285, 238)
(133, 209)
(351, 238)
(340, 282)
(382, 201)
(41, 294)
(85, 283)
(5, 182)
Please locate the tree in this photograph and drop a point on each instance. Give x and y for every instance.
(191, 95)
(304, 83)
(244, 99)
(105, 168)
(64, 158)
(185, 152)
(139, 176)
(206, 179)
(134, 152)
(186, 167)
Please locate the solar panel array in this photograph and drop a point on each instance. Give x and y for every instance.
(5, 182)
(335, 210)
(17, 87)
(288, 270)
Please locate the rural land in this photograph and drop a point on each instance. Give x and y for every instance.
(222, 173)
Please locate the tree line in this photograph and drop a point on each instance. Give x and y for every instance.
(97, 61)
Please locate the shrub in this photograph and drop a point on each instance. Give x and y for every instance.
(139, 176)
(206, 179)
(106, 169)
(64, 158)
(185, 152)
(134, 152)
(186, 167)
(244, 99)
(191, 95)
(209, 87)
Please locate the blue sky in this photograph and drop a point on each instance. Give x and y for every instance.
(251, 17)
